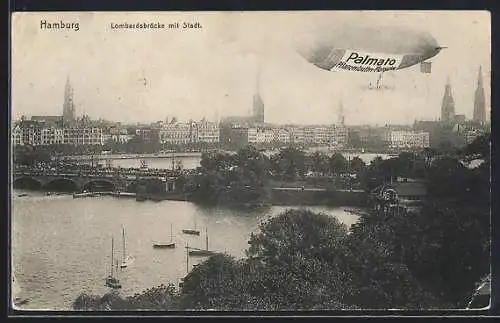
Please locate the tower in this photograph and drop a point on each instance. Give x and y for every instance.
(68, 105)
(341, 114)
(258, 104)
(448, 104)
(479, 114)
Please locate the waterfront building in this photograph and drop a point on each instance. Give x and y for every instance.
(31, 132)
(297, 135)
(340, 134)
(264, 136)
(367, 137)
(83, 136)
(251, 135)
(176, 133)
(207, 132)
(448, 104)
(479, 114)
(16, 135)
(121, 138)
(399, 196)
(51, 136)
(407, 139)
(281, 136)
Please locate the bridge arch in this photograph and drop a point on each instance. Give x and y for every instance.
(27, 182)
(99, 185)
(62, 185)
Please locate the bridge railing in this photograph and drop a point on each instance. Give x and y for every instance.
(99, 173)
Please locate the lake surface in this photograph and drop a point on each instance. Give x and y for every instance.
(61, 246)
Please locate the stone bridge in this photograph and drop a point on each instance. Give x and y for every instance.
(78, 182)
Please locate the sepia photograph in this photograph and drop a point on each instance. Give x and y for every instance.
(250, 161)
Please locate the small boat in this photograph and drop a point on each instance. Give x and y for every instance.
(202, 252)
(191, 231)
(169, 245)
(126, 260)
(112, 281)
(22, 195)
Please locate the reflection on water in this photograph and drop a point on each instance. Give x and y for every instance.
(62, 246)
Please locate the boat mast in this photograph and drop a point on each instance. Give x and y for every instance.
(187, 258)
(171, 237)
(112, 249)
(206, 234)
(123, 238)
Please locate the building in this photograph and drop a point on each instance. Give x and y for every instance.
(31, 132)
(83, 136)
(69, 104)
(399, 196)
(51, 136)
(297, 135)
(479, 114)
(340, 135)
(16, 135)
(440, 133)
(121, 138)
(367, 137)
(176, 133)
(149, 135)
(460, 118)
(281, 136)
(448, 104)
(54, 121)
(469, 132)
(207, 132)
(399, 139)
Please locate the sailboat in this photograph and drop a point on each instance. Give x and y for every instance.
(126, 260)
(201, 252)
(112, 281)
(170, 245)
(192, 231)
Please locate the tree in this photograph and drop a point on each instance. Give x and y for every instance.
(357, 165)
(380, 277)
(251, 160)
(291, 163)
(215, 284)
(338, 164)
(299, 253)
(319, 163)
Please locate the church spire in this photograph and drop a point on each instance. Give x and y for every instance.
(341, 113)
(448, 104)
(479, 114)
(68, 105)
(258, 104)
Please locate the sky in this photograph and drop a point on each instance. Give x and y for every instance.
(148, 75)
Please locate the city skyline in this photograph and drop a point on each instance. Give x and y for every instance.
(221, 82)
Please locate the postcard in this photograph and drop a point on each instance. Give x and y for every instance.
(257, 161)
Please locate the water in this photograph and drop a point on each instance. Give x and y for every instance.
(62, 246)
(193, 162)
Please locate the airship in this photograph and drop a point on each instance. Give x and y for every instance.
(367, 48)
